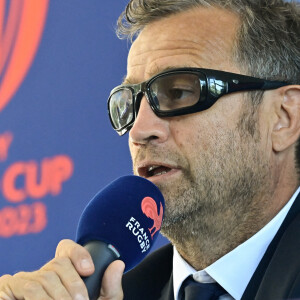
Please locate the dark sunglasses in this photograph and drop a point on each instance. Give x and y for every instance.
(178, 92)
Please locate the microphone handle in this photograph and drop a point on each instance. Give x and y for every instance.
(102, 255)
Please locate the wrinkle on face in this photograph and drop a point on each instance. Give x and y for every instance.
(180, 38)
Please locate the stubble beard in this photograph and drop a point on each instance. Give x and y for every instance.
(220, 201)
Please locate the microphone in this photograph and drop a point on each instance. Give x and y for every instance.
(122, 221)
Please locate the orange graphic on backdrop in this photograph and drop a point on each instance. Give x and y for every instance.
(21, 27)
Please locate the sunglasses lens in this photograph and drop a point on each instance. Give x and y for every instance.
(175, 91)
(121, 108)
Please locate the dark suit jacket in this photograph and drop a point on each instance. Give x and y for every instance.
(277, 276)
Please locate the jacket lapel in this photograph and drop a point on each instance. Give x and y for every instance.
(278, 255)
(167, 292)
(152, 279)
(279, 279)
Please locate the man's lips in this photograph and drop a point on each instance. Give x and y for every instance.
(151, 169)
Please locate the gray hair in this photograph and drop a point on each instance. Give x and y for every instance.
(267, 42)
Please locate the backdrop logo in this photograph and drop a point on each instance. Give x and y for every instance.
(21, 26)
(150, 209)
(23, 184)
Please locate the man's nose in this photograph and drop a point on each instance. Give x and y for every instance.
(148, 127)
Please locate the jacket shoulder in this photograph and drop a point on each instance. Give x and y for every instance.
(147, 279)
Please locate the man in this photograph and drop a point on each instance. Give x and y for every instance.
(222, 148)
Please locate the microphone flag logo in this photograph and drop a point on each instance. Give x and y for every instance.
(150, 209)
(21, 26)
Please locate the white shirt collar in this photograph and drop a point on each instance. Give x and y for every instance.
(234, 270)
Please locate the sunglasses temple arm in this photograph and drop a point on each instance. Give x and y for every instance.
(272, 85)
(250, 86)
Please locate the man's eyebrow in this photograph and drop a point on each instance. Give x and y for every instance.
(153, 72)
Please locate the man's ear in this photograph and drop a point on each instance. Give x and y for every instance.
(286, 130)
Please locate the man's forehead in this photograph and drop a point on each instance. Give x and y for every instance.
(200, 37)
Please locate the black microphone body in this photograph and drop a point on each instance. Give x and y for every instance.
(103, 255)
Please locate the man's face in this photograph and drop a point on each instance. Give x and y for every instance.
(204, 164)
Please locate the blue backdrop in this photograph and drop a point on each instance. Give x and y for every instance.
(57, 148)
(59, 60)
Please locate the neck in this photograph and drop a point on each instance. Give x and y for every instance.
(205, 240)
